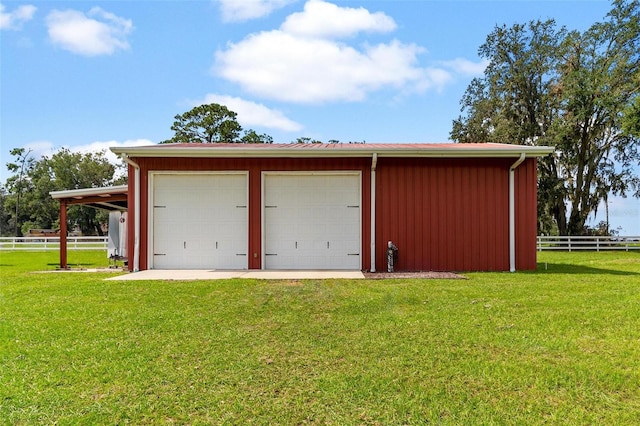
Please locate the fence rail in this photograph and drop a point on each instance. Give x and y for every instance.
(566, 243)
(574, 243)
(53, 243)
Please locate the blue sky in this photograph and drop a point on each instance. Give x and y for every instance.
(92, 74)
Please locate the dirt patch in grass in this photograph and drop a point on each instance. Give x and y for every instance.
(421, 275)
(291, 283)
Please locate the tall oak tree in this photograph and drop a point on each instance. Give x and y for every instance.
(578, 92)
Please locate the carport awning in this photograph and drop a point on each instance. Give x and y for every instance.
(106, 198)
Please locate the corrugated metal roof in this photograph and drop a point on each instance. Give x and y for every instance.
(107, 198)
(334, 149)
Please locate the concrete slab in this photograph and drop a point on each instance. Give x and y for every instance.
(191, 274)
(302, 275)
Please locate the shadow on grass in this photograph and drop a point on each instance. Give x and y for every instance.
(566, 268)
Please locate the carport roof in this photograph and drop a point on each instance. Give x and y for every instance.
(105, 198)
(216, 150)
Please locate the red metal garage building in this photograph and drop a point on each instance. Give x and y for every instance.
(453, 207)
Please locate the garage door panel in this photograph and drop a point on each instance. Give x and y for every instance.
(200, 221)
(314, 222)
(280, 261)
(164, 246)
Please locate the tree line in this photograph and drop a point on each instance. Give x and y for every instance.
(25, 202)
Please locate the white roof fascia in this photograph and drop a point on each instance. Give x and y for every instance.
(453, 151)
(86, 192)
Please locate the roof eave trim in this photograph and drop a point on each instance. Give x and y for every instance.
(208, 152)
(71, 193)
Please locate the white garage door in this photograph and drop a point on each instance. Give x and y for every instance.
(200, 221)
(312, 221)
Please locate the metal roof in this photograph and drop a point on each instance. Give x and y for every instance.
(106, 198)
(459, 150)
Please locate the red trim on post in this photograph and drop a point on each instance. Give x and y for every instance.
(63, 234)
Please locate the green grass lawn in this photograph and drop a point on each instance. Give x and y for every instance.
(558, 346)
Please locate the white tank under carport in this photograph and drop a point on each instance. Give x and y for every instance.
(117, 244)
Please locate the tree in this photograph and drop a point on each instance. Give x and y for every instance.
(250, 136)
(600, 81)
(4, 214)
(306, 140)
(42, 210)
(73, 170)
(631, 119)
(211, 123)
(65, 170)
(16, 183)
(575, 91)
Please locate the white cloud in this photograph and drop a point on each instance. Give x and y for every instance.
(96, 33)
(304, 62)
(466, 67)
(309, 59)
(14, 20)
(253, 114)
(244, 10)
(322, 19)
(40, 149)
(98, 146)
(282, 66)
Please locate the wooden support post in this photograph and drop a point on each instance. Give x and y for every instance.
(63, 234)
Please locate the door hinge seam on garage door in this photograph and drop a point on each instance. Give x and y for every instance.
(353, 254)
(353, 207)
(270, 207)
(271, 254)
(241, 254)
(241, 207)
(159, 207)
(159, 254)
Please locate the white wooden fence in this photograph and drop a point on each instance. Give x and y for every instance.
(566, 243)
(569, 243)
(53, 243)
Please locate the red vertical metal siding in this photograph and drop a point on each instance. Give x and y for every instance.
(255, 167)
(144, 219)
(526, 214)
(255, 219)
(444, 214)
